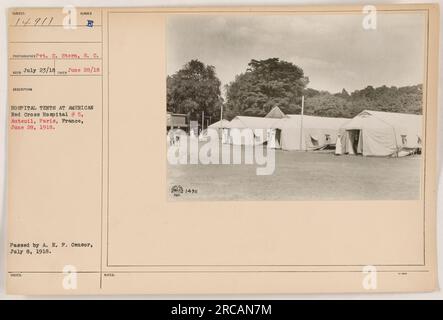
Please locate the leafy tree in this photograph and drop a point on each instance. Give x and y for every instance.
(326, 104)
(264, 85)
(343, 94)
(273, 82)
(193, 89)
(390, 99)
(309, 92)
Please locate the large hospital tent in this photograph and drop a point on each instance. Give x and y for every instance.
(376, 133)
(297, 132)
(245, 130)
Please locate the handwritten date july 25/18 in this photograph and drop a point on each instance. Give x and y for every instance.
(42, 70)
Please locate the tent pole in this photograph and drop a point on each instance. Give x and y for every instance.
(301, 120)
(203, 121)
(221, 116)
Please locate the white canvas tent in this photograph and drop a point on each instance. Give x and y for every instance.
(250, 130)
(288, 132)
(221, 128)
(307, 132)
(376, 133)
(220, 124)
(276, 113)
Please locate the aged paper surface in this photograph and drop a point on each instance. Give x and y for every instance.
(96, 205)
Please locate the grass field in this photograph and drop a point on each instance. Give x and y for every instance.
(302, 175)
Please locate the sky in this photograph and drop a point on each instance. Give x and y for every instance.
(334, 50)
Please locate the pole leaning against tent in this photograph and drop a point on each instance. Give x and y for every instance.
(301, 120)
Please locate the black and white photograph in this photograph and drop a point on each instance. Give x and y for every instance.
(295, 107)
(301, 157)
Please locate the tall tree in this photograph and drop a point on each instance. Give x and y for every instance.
(391, 99)
(193, 89)
(266, 84)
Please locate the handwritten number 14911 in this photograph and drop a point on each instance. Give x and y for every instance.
(40, 21)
